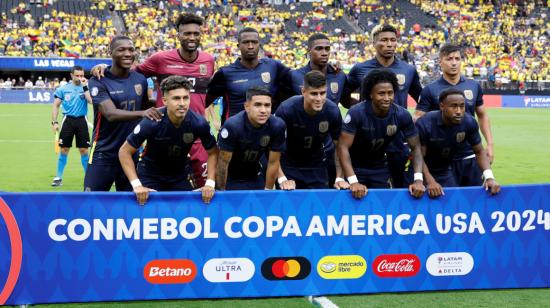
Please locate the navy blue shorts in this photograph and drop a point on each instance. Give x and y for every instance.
(377, 177)
(307, 178)
(180, 182)
(245, 184)
(467, 172)
(100, 177)
(401, 170)
(445, 178)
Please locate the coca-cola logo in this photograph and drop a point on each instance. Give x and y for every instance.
(396, 265)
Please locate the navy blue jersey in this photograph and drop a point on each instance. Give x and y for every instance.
(372, 134)
(249, 143)
(407, 78)
(167, 146)
(127, 94)
(429, 99)
(305, 133)
(473, 97)
(233, 80)
(443, 142)
(336, 82)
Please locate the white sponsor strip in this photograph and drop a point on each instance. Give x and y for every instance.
(322, 302)
(23, 141)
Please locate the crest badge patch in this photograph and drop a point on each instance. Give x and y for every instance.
(202, 69)
(188, 137)
(391, 130)
(266, 77)
(138, 88)
(334, 87)
(460, 137)
(323, 126)
(264, 141)
(468, 94)
(401, 79)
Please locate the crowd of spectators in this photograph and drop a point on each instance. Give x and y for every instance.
(31, 83)
(506, 45)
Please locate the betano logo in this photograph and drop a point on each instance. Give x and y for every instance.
(228, 270)
(170, 271)
(286, 268)
(342, 267)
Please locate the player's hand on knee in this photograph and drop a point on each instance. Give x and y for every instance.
(153, 114)
(142, 194)
(288, 185)
(492, 186)
(341, 184)
(358, 190)
(98, 71)
(435, 190)
(207, 193)
(417, 189)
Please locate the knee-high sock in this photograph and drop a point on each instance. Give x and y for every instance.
(84, 160)
(61, 163)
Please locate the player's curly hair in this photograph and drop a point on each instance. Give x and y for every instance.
(175, 82)
(375, 77)
(185, 19)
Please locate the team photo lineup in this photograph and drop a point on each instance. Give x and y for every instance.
(279, 128)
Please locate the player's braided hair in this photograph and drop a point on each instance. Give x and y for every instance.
(375, 77)
(175, 82)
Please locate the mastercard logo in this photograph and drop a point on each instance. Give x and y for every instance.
(286, 268)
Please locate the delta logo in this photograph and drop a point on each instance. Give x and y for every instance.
(342, 267)
(228, 270)
(396, 265)
(450, 264)
(286, 268)
(170, 271)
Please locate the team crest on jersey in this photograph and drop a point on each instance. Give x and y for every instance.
(460, 137)
(468, 94)
(401, 79)
(188, 137)
(94, 91)
(264, 141)
(67, 97)
(323, 127)
(202, 69)
(334, 87)
(138, 89)
(391, 130)
(266, 77)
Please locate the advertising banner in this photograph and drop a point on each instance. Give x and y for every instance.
(43, 96)
(525, 101)
(83, 247)
(48, 64)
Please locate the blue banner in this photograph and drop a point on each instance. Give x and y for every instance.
(525, 101)
(48, 64)
(82, 247)
(43, 96)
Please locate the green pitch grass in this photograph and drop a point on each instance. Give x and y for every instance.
(522, 151)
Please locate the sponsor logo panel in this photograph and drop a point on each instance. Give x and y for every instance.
(396, 265)
(450, 264)
(170, 271)
(342, 267)
(286, 268)
(228, 270)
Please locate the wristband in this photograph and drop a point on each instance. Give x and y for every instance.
(339, 180)
(418, 176)
(135, 183)
(54, 122)
(488, 174)
(281, 180)
(352, 179)
(210, 183)
(85, 88)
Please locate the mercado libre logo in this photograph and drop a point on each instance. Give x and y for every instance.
(170, 271)
(286, 268)
(16, 252)
(342, 267)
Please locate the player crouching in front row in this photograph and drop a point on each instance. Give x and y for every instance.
(162, 167)
(442, 134)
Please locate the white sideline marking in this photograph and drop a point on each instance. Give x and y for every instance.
(24, 141)
(322, 302)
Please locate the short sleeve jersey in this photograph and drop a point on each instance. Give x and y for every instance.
(336, 82)
(305, 133)
(167, 145)
(73, 101)
(442, 142)
(232, 81)
(249, 143)
(127, 93)
(372, 134)
(166, 63)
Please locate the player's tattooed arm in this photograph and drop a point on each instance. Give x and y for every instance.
(224, 159)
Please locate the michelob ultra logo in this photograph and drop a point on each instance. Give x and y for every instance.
(342, 267)
(286, 268)
(170, 271)
(228, 270)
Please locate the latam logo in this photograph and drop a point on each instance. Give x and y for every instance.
(450, 264)
(342, 267)
(170, 271)
(286, 268)
(228, 270)
(396, 265)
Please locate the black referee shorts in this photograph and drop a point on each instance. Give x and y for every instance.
(71, 127)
